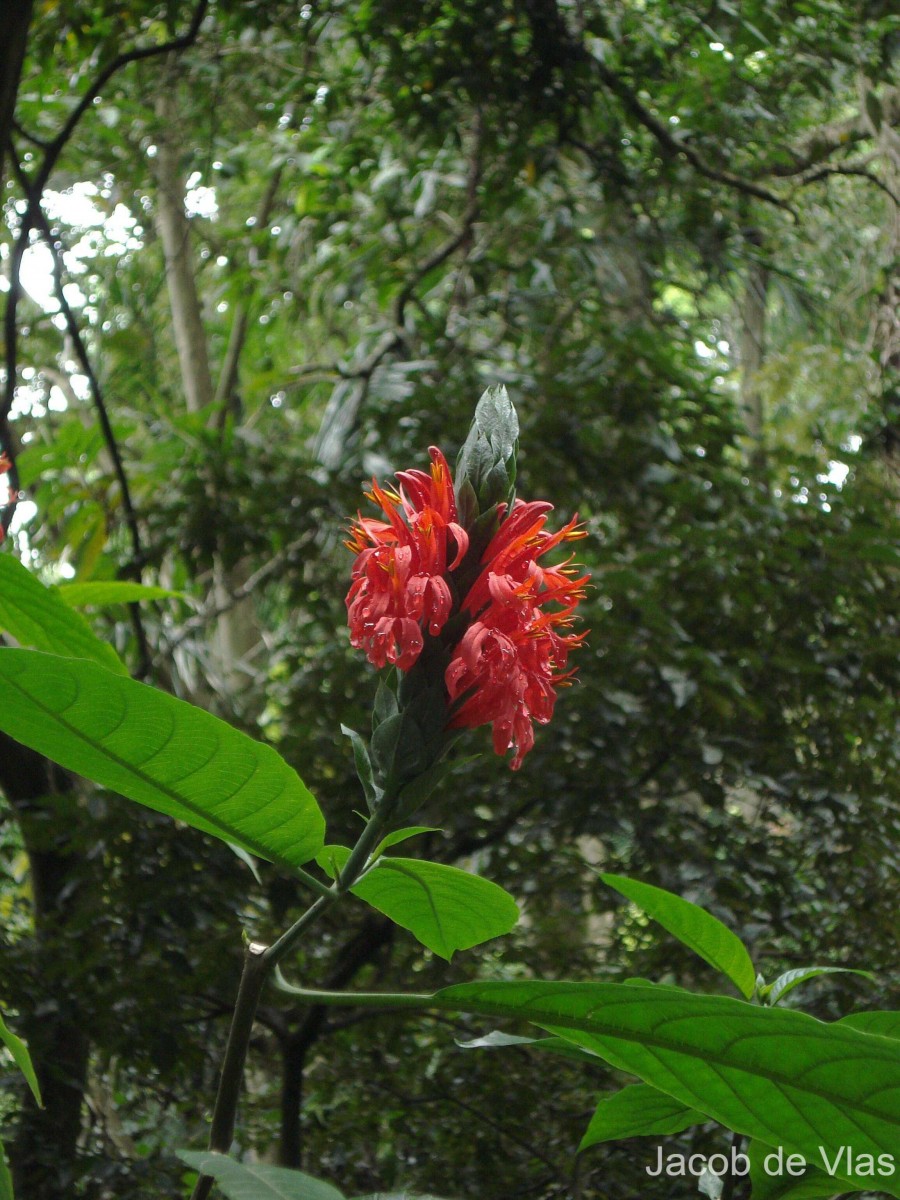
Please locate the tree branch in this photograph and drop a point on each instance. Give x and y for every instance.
(268, 569)
(58, 144)
(850, 168)
(17, 20)
(53, 150)
(821, 143)
(109, 437)
(677, 148)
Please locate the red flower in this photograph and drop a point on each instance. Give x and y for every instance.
(506, 668)
(399, 577)
(508, 665)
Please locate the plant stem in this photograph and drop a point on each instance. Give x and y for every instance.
(359, 855)
(274, 953)
(258, 962)
(379, 1000)
(253, 977)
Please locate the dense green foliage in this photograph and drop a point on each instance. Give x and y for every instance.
(672, 235)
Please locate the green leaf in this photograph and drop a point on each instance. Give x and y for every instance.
(161, 752)
(240, 1181)
(363, 766)
(498, 1040)
(444, 908)
(247, 859)
(694, 926)
(37, 616)
(790, 979)
(331, 858)
(771, 1180)
(770, 1073)
(638, 1111)
(6, 1187)
(385, 704)
(402, 835)
(21, 1057)
(101, 593)
(883, 1024)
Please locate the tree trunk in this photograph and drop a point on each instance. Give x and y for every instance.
(751, 349)
(236, 634)
(885, 332)
(43, 1152)
(15, 36)
(175, 233)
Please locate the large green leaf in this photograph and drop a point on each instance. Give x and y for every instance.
(100, 593)
(445, 908)
(21, 1057)
(637, 1111)
(257, 1181)
(242, 1181)
(773, 1177)
(884, 1024)
(694, 926)
(790, 979)
(161, 752)
(37, 616)
(769, 1073)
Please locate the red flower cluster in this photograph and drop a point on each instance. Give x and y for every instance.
(512, 657)
(399, 582)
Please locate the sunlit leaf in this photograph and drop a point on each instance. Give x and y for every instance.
(102, 593)
(498, 1040)
(769, 1073)
(445, 908)
(694, 926)
(161, 752)
(37, 616)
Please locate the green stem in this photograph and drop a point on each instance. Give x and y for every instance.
(323, 889)
(359, 855)
(258, 962)
(274, 953)
(253, 977)
(353, 868)
(382, 1000)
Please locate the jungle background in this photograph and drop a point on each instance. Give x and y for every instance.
(256, 253)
